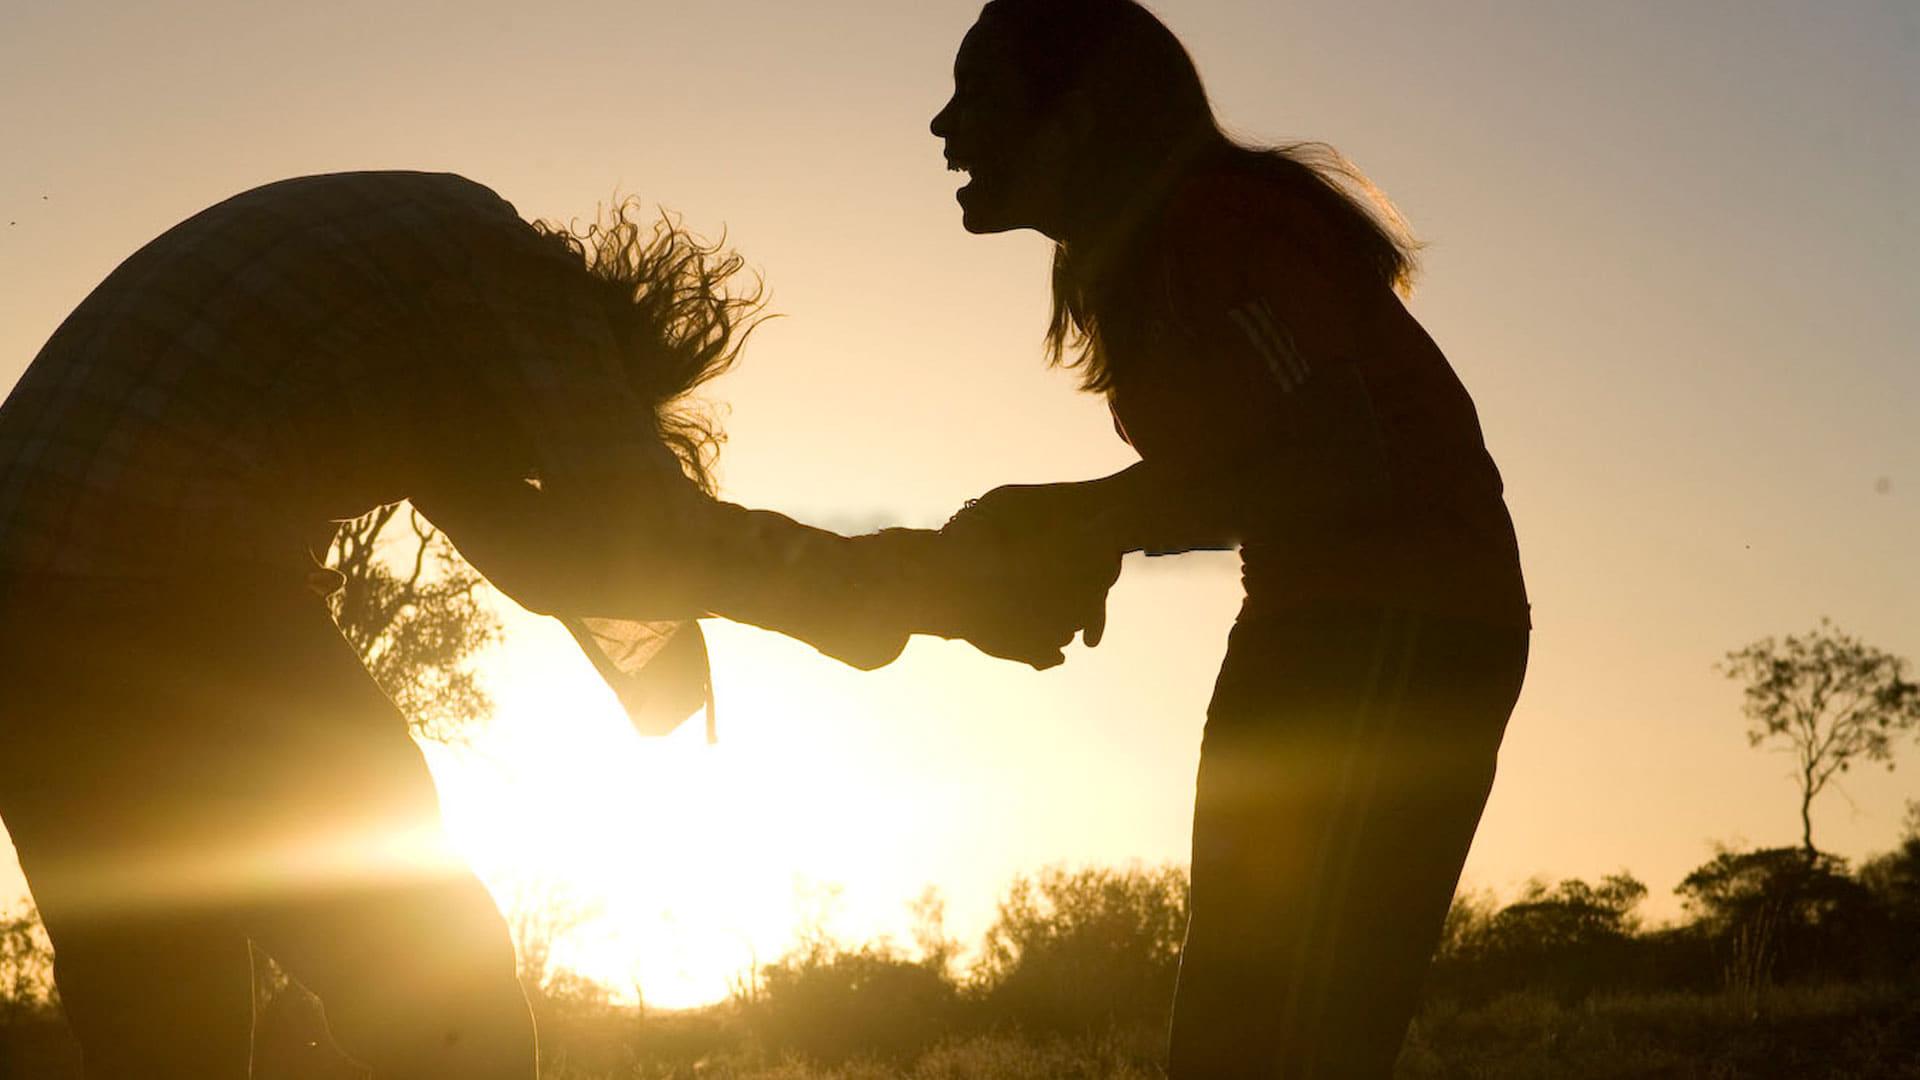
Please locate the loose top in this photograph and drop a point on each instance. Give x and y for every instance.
(309, 350)
(1251, 348)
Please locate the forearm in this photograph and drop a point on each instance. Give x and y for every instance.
(510, 534)
(1154, 508)
(676, 555)
(1162, 507)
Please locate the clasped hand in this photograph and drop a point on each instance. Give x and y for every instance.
(1025, 571)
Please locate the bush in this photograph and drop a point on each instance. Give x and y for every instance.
(830, 1004)
(26, 967)
(1893, 880)
(1785, 914)
(1567, 940)
(1080, 952)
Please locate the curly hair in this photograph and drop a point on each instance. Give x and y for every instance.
(667, 296)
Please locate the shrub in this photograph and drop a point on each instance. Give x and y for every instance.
(26, 966)
(1567, 939)
(1085, 951)
(830, 1004)
(1782, 913)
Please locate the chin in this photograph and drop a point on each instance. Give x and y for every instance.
(980, 216)
(982, 225)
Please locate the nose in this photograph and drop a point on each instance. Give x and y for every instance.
(942, 125)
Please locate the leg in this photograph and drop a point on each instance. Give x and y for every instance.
(1414, 828)
(1344, 769)
(382, 921)
(228, 770)
(417, 979)
(1273, 769)
(157, 998)
(155, 984)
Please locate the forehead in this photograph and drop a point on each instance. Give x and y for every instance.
(982, 52)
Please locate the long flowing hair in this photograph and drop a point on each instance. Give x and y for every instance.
(1149, 120)
(679, 319)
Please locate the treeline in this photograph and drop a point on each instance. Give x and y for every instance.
(1088, 958)
(1081, 953)
(1070, 953)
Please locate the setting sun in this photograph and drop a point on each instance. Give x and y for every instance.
(1646, 414)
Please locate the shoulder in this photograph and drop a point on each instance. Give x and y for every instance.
(1224, 237)
(1237, 234)
(1234, 213)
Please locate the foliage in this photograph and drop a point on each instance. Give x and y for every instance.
(416, 620)
(1076, 953)
(1736, 885)
(542, 915)
(827, 1003)
(1073, 952)
(1830, 1032)
(1829, 700)
(828, 1012)
(1569, 914)
(1895, 876)
(1465, 925)
(1567, 938)
(937, 950)
(1780, 913)
(1893, 881)
(26, 966)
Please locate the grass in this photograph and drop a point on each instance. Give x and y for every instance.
(1856, 1031)
(1837, 1031)
(1860, 1031)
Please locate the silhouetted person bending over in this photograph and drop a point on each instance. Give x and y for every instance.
(1236, 306)
(191, 757)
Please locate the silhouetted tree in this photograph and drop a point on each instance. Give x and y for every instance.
(1569, 914)
(1084, 950)
(1570, 937)
(1783, 911)
(411, 607)
(1828, 699)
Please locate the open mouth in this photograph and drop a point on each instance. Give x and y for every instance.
(958, 163)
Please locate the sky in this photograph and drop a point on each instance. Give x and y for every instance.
(1670, 253)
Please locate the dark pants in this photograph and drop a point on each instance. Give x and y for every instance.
(1347, 757)
(187, 771)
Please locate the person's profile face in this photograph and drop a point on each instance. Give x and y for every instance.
(994, 132)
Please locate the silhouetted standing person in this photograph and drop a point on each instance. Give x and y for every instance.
(1236, 306)
(192, 758)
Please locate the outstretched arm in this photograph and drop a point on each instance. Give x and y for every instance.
(651, 547)
(614, 528)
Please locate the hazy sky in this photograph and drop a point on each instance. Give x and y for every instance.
(1671, 255)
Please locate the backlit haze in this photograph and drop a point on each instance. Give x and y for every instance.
(1671, 253)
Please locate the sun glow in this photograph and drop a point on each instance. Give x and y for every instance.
(662, 868)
